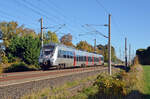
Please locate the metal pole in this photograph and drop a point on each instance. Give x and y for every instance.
(41, 32)
(129, 54)
(109, 45)
(126, 52)
(120, 53)
(95, 45)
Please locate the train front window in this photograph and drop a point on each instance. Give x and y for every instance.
(47, 52)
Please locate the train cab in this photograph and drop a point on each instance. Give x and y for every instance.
(47, 55)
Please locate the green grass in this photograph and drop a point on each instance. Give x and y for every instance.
(147, 79)
(87, 93)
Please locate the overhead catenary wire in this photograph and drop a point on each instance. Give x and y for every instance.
(60, 18)
(96, 31)
(34, 10)
(11, 17)
(101, 5)
(59, 10)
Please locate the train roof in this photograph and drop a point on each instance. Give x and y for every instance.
(72, 49)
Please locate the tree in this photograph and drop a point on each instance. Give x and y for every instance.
(11, 29)
(26, 48)
(50, 37)
(143, 56)
(83, 45)
(104, 51)
(67, 40)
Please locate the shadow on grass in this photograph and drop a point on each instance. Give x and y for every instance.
(132, 95)
(123, 67)
(19, 67)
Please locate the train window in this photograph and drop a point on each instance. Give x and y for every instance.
(77, 57)
(60, 54)
(72, 55)
(90, 59)
(96, 59)
(81, 58)
(102, 58)
(67, 54)
(64, 54)
(84, 58)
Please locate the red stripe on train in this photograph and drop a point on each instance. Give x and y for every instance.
(99, 60)
(86, 60)
(93, 60)
(74, 59)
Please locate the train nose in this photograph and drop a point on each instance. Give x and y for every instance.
(48, 62)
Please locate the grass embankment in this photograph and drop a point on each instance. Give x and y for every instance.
(125, 85)
(147, 81)
(61, 92)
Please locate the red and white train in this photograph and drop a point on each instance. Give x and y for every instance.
(63, 56)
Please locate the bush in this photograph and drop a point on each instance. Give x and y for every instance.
(26, 48)
(1, 69)
(18, 67)
(4, 59)
(110, 85)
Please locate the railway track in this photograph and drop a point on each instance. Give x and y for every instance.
(22, 77)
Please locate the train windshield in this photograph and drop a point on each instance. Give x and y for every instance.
(48, 50)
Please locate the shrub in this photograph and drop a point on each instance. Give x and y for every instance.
(26, 48)
(4, 59)
(17, 67)
(1, 69)
(110, 85)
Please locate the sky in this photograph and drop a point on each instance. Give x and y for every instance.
(129, 18)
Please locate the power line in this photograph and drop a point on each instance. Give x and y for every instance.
(10, 16)
(33, 10)
(58, 9)
(37, 7)
(96, 31)
(61, 18)
(101, 5)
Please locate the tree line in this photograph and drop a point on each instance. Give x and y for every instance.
(144, 56)
(24, 44)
